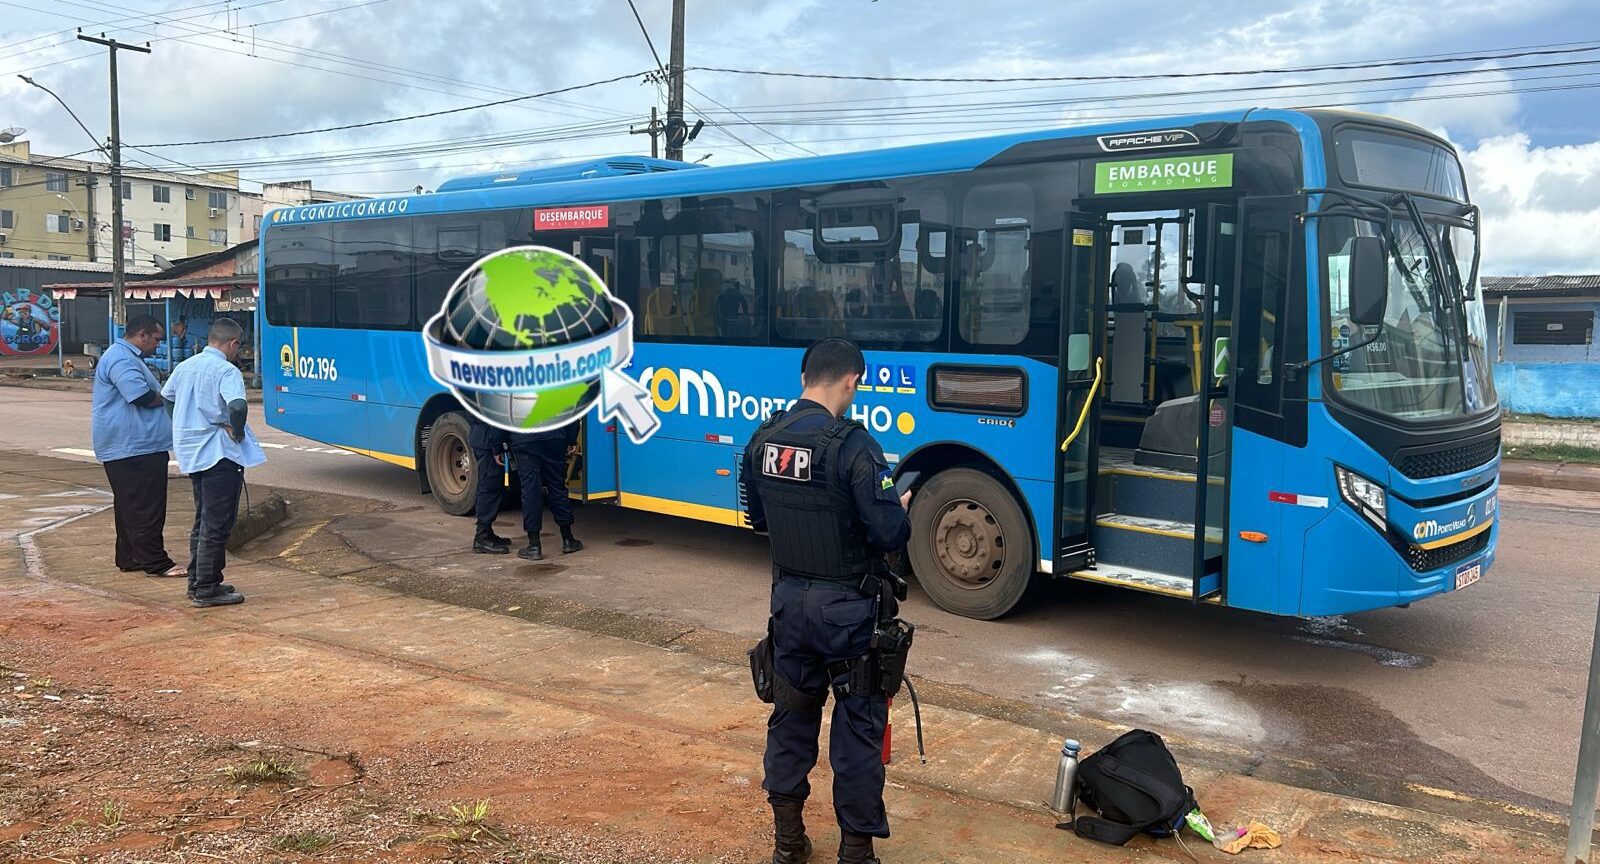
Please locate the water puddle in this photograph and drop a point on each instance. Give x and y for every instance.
(635, 541)
(1332, 631)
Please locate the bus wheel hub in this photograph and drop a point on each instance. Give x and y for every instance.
(968, 544)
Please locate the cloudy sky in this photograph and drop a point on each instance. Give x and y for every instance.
(1529, 136)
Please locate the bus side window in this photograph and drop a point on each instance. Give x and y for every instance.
(701, 271)
(372, 273)
(996, 239)
(445, 247)
(872, 271)
(299, 276)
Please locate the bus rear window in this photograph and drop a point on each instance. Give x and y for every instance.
(1386, 160)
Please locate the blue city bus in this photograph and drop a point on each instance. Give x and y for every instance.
(1236, 358)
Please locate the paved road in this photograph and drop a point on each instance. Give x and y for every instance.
(1480, 691)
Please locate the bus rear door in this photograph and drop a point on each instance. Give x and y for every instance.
(1081, 377)
(592, 475)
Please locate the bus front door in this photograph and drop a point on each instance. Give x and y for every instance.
(592, 474)
(1217, 250)
(1082, 378)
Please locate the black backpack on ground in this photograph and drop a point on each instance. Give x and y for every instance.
(1135, 786)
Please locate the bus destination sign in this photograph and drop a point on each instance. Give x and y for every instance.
(1162, 175)
(568, 218)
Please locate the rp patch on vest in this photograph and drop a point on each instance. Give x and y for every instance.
(788, 463)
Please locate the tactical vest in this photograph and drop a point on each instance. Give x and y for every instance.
(811, 515)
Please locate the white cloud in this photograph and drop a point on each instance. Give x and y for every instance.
(1480, 116)
(1537, 216)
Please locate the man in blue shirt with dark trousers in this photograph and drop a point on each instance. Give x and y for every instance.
(132, 435)
(213, 446)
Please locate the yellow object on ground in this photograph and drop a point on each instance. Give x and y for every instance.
(1257, 836)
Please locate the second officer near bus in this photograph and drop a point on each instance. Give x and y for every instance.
(820, 487)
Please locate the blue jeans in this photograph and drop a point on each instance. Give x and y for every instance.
(815, 624)
(216, 508)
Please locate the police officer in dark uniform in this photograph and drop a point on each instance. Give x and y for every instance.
(541, 461)
(488, 445)
(820, 487)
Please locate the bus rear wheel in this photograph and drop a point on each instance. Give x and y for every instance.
(451, 473)
(970, 545)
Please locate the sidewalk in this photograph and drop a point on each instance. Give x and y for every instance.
(588, 747)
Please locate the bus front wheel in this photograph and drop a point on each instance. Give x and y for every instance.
(970, 545)
(451, 473)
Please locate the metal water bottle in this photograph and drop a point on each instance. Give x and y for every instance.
(1064, 797)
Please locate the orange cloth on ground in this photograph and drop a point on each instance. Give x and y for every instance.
(1257, 836)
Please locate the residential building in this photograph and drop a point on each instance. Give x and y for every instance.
(58, 208)
(1543, 342)
(255, 206)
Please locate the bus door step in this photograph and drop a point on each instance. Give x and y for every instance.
(1149, 581)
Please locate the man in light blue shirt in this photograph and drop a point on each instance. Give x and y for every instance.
(132, 435)
(206, 397)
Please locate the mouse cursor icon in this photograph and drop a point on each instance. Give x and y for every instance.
(626, 401)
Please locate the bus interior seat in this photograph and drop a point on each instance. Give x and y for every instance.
(661, 315)
(707, 285)
(1170, 441)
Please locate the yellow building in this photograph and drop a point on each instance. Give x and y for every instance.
(59, 209)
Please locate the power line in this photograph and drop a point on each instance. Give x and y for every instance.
(258, 43)
(1154, 76)
(422, 116)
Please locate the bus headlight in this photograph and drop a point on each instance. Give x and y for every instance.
(1366, 496)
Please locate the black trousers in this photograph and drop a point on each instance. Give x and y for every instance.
(815, 624)
(216, 508)
(139, 502)
(542, 463)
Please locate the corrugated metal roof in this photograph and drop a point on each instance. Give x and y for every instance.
(86, 266)
(1551, 285)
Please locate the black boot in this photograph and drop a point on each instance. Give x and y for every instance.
(856, 849)
(488, 543)
(531, 552)
(790, 845)
(569, 543)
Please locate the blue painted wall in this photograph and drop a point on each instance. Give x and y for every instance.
(1555, 380)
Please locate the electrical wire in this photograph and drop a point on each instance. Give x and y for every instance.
(1158, 76)
(427, 114)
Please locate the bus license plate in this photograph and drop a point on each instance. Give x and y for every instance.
(1467, 574)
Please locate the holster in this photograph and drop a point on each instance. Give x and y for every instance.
(772, 688)
(763, 672)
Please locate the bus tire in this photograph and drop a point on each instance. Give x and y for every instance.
(452, 475)
(971, 547)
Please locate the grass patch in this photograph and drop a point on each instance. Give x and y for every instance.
(466, 824)
(266, 769)
(1545, 419)
(1554, 453)
(305, 842)
(111, 813)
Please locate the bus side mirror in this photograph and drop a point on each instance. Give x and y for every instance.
(1369, 281)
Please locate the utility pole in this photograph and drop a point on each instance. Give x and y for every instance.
(119, 301)
(653, 130)
(88, 187)
(677, 131)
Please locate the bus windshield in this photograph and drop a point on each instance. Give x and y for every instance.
(1429, 360)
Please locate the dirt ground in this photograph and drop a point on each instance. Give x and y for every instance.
(110, 770)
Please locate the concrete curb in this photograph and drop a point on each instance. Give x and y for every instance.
(79, 385)
(1550, 475)
(258, 520)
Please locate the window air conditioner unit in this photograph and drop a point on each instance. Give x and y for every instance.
(2, 239)
(215, 212)
(77, 224)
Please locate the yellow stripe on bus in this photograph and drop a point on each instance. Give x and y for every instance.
(1456, 538)
(703, 512)
(402, 461)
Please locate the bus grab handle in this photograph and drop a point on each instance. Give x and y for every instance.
(1088, 402)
